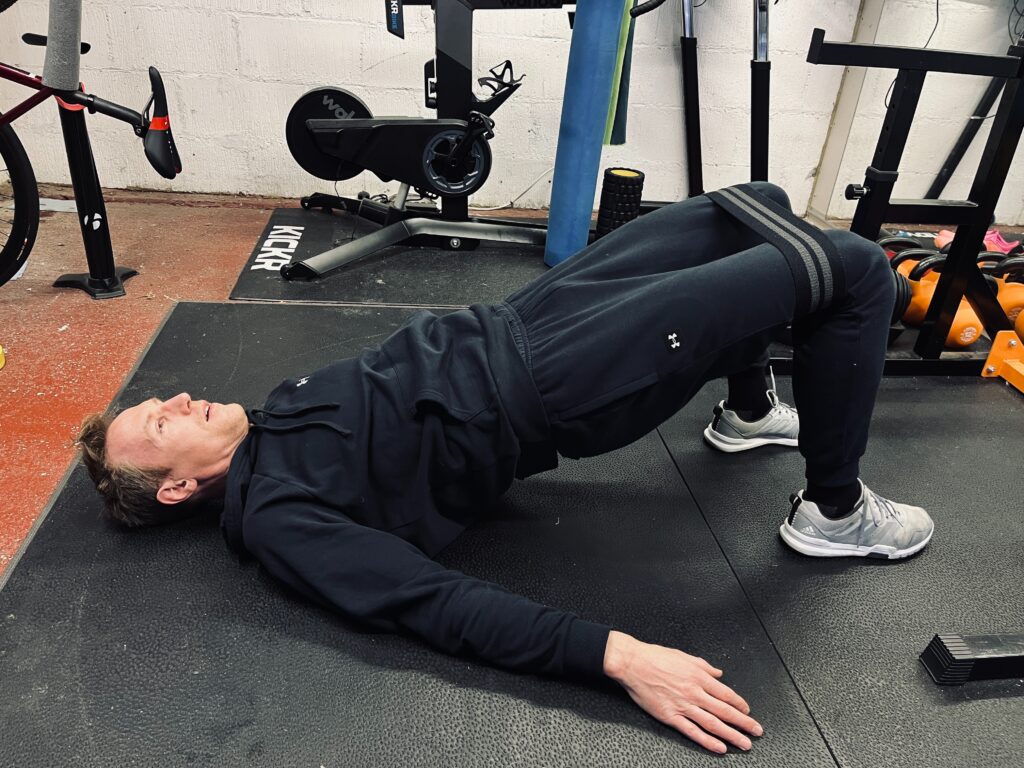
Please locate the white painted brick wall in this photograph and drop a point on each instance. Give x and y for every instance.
(946, 102)
(234, 67)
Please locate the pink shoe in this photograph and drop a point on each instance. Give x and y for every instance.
(944, 237)
(996, 242)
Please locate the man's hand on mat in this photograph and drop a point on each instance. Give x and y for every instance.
(681, 691)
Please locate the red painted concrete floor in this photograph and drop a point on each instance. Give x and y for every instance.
(67, 354)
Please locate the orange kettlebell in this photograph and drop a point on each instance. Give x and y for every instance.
(922, 290)
(908, 258)
(1010, 295)
(896, 244)
(966, 328)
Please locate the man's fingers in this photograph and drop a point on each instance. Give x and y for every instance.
(695, 734)
(713, 725)
(730, 714)
(706, 666)
(723, 692)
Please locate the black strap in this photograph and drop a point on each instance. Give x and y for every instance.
(812, 258)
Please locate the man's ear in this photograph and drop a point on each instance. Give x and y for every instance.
(176, 491)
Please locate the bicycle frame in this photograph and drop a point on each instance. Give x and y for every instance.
(68, 99)
(104, 279)
(21, 77)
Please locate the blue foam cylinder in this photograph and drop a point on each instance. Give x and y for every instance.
(588, 89)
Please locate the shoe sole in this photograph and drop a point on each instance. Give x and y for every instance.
(737, 444)
(817, 548)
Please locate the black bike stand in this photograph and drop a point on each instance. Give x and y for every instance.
(366, 207)
(104, 280)
(452, 235)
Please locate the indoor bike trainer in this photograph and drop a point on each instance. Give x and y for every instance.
(332, 135)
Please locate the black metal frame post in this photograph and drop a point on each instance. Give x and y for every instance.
(961, 277)
(104, 280)
(453, 31)
(454, 50)
(760, 87)
(900, 57)
(956, 154)
(691, 103)
(880, 177)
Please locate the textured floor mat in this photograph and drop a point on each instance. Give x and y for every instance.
(159, 648)
(398, 275)
(850, 630)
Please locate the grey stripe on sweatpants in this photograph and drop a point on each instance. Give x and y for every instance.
(758, 214)
(823, 262)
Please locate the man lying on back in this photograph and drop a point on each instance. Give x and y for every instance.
(352, 477)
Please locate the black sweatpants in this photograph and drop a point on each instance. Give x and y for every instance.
(621, 336)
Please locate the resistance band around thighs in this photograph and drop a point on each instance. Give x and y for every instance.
(812, 258)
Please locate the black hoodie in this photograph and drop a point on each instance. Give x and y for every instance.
(353, 474)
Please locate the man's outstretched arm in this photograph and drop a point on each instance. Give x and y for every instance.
(383, 581)
(387, 583)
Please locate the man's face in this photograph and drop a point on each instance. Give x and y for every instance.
(194, 439)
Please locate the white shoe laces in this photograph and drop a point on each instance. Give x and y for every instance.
(779, 408)
(881, 508)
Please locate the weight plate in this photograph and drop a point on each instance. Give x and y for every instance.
(322, 104)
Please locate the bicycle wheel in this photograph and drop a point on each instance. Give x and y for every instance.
(19, 204)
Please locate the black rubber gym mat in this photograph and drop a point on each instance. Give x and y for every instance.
(158, 648)
(850, 630)
(399, 275)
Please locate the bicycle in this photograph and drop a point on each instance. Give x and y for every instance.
(19, 195)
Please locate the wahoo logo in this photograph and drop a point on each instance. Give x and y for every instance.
(339, 112)
(277, 250)
(395, 17)
(92, 221)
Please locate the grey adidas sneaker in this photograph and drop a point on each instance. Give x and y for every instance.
(876, 527)
(728, 432)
